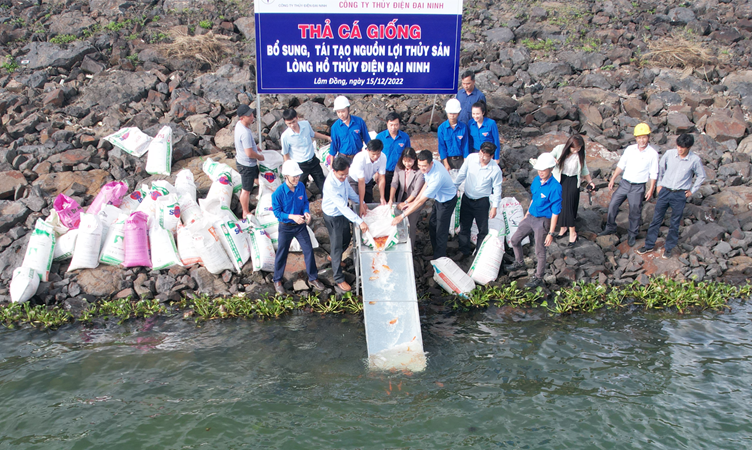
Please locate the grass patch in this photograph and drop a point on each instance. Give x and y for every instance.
(205, 24)
(208, 48)
(10, 65)
(63, 39)
(540, 44)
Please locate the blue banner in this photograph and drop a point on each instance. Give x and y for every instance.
(358, 53)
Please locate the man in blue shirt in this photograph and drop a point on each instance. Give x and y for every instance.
(349, 133)
(482, 129)
(440, 187)
(540, 219)
(395, 142)
(468, 95)
(297, 145)
(482, 177)
(337, 216)
(290, 206)
(453, 137)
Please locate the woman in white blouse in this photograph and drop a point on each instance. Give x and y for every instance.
(569, 169)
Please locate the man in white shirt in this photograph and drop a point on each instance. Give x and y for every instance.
(337, 216)
(367, 169)
(638, 167)
(482, 177)
(297, 145)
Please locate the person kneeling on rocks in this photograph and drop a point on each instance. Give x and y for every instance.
(290, 206)
(540, 219)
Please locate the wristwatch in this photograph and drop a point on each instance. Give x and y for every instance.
(550, 233)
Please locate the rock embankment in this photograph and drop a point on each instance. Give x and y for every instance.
(73, 73)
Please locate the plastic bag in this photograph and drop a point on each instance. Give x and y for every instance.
(168, 212)
(159, 160)
(130, 140)
(111, 193)
(136, 241)
(113, 249)
(235, 242)
(209, 248)
(40, 249)
(214, 169)
(24, 284)
(65, 246)
(262, 251)
(164, 254)
(185, 184)
(88, 243)
(485, 267)
(186, 249)
(381, 233)
(54, 220)
(68, 210)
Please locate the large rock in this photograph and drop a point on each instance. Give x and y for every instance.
(100, 282)
(680, 16)
(722, 126)
(70, 22)
(320, 117)
(110, 7)
(12, 256)
(44, 54)
(118, 87)
(247, 27)
(9, 182)
(187, 5)
(580, 61)
(57, 182)
(740, 83)
(517, 55)
(678, 123)
(701, 233)
(224, 86)
(500, 35)
(11, 214)
(225, 138)
(597, 156)
(543, 70)
(735, 197)
(208, 283)
(745, 146)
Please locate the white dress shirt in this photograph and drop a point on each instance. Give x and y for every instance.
(639, 166)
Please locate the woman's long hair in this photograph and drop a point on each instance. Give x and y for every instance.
(408, 152)
(575, 138)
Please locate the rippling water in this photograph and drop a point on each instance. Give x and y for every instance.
(495, 379)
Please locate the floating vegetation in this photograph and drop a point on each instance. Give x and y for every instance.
(16, 314)
(123, 309)
(660, 294)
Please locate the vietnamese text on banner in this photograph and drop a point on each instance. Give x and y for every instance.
(365, 47)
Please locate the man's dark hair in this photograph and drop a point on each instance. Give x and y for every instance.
(375, 145)
(468, 73)
(289, 114)
(488, 148)
(393, 116)
(685, 140)
(425, 155)
(340, 163)
(481, 105)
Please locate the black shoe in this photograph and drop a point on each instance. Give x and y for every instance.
(605, 233)
(279, 288)
(643, 250)
(631, 241)
(573, 243)
(515, 266)
(317, 285)
(666, 254)
(534, 283)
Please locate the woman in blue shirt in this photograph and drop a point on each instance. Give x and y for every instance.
(483, 129)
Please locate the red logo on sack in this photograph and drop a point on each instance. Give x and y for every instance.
(136, 196)
(223, 180)
(269, 176)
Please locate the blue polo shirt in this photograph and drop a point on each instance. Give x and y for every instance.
(393, 147)
(546, 198)
(453, 141)
(467, 100)
(439, 185)
(349, 140)
(488, 132)
(286, 202)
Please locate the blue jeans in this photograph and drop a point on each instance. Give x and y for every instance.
(667, 198)
(284, 238)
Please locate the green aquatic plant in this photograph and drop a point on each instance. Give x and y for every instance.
(582, 297)
(41, 316)
(125, 308)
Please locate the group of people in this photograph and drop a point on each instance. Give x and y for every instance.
(469, 148)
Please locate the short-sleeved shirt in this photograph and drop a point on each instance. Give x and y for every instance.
(453, 141)
(299, 145)
(393, 147)
(243, 140)
(439, 184)
(487, 132)
(546, 198)
(466, 101)
(639, 166)
(349, 140)
(362, 167)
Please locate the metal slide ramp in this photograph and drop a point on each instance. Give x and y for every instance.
(390, 303)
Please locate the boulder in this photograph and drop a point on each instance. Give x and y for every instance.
(701, 233)
(117, 87)
(12, 256)
(722, 126)
(735, 197)
(543, 70)
(224, 86)
(208, 283)
(247, 27)
(70, 22)
(11, 214)
(740, 83)
(499, 35)
(678, 123)
(681, 16)
(10, 181)
(45, 54)
(102, 281)
(57, 182)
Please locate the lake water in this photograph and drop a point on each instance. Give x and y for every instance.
(495, 379)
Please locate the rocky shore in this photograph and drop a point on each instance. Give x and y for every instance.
(77, 71)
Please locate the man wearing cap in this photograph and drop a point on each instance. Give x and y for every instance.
(367, 169)
(247, 155)
(468, 95)
(540, 219)
(290, 206)
(395, 141)
(337, 216)
(675, 172)
(349, 133)
(297, 145)
(440, 187)
(482, 177)
(453, 137)
(638, 166)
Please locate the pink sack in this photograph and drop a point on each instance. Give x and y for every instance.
(111, 194)
(136, 241)
(68, 210)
